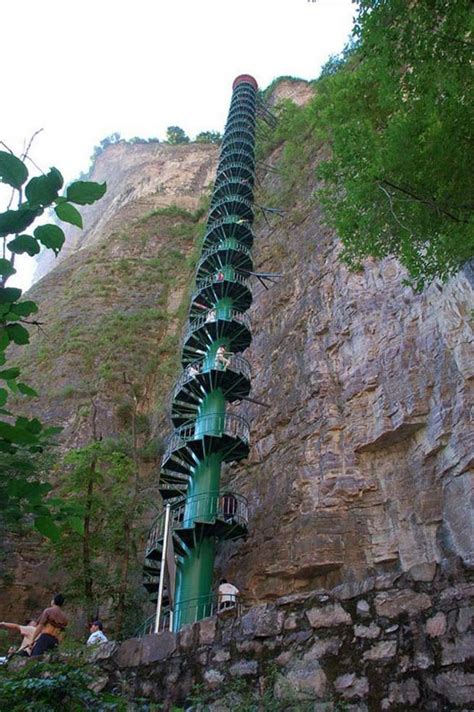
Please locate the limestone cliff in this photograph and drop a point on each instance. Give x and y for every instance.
(361, 463)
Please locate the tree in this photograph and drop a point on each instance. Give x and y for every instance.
(104, 143)
(208, 137)
(397, 114)
(103, 481)
(175, 135)
(22, 439)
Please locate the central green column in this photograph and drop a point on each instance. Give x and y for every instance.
(194, 584)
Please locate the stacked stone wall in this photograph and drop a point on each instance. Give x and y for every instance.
(380, 644)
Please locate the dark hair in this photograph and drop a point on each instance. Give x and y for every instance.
(98, 624)
(29, 621)
(223, 581)
(58, 599)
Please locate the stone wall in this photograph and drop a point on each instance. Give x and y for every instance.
(386, 643)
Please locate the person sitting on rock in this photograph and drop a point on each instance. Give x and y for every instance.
(27, 631)
(97, 636)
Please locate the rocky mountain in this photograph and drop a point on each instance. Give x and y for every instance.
(361, 459)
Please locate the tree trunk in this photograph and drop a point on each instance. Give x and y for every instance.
(86, 539)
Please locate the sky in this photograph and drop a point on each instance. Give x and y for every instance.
(81, 71)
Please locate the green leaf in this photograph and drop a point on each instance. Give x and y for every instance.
(27, 390)
(84, 192)
(8, 295)
(18, 334)
(3, 396)
(12, 170)
(4, 338)
(12, 386)
(34, 426)
(76, 524)
(15, 221)
(43, 190)
(24, 308)
(53, 430)
(68, 213)
(56, 178)
(24, 243)
(50, 236)
(47, 528)
(17, 435)
(6, 268)
(9, 373)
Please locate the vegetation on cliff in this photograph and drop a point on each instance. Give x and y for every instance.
(395, 109)
(22, 439)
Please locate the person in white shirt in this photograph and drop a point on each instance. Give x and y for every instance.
(227, 595)
(97, 636)
(27, 631)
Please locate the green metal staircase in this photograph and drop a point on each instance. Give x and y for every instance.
(206, 434)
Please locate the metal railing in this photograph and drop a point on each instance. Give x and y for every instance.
(191, 611)
(237, 365)
(238, 153)
(231, 198)
(215, 279)
(148, 627)
(221, 176)
(238, 131)
(227, 220)
(230, 244)
(232, 186)
(227, 506)
(211, 316)
(216, 425)
(195, 609)
(241, 101)
(236, 110)
(241, 124)
(238, 138)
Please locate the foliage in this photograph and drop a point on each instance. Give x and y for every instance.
(208, 137)
(397, 113)
(22, 438)
(175, 135)
(98, 549)
(104, 143)
(51, 687)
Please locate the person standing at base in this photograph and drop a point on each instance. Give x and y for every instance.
(50, 629)
(226, 595)
(97, 635)
(27, 631)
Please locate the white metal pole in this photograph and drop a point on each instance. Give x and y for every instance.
(162, 568)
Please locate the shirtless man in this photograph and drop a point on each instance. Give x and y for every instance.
(51, 625)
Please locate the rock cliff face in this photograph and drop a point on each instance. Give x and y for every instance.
(140, 178)
(362, 462)
(113, 305)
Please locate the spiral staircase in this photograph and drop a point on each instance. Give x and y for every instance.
(206, 434)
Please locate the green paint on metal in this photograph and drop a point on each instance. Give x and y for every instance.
(194, 584)
(211, 415)
(224, 307)
(193, 457)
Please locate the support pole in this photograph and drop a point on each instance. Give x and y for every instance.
(162, 568)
